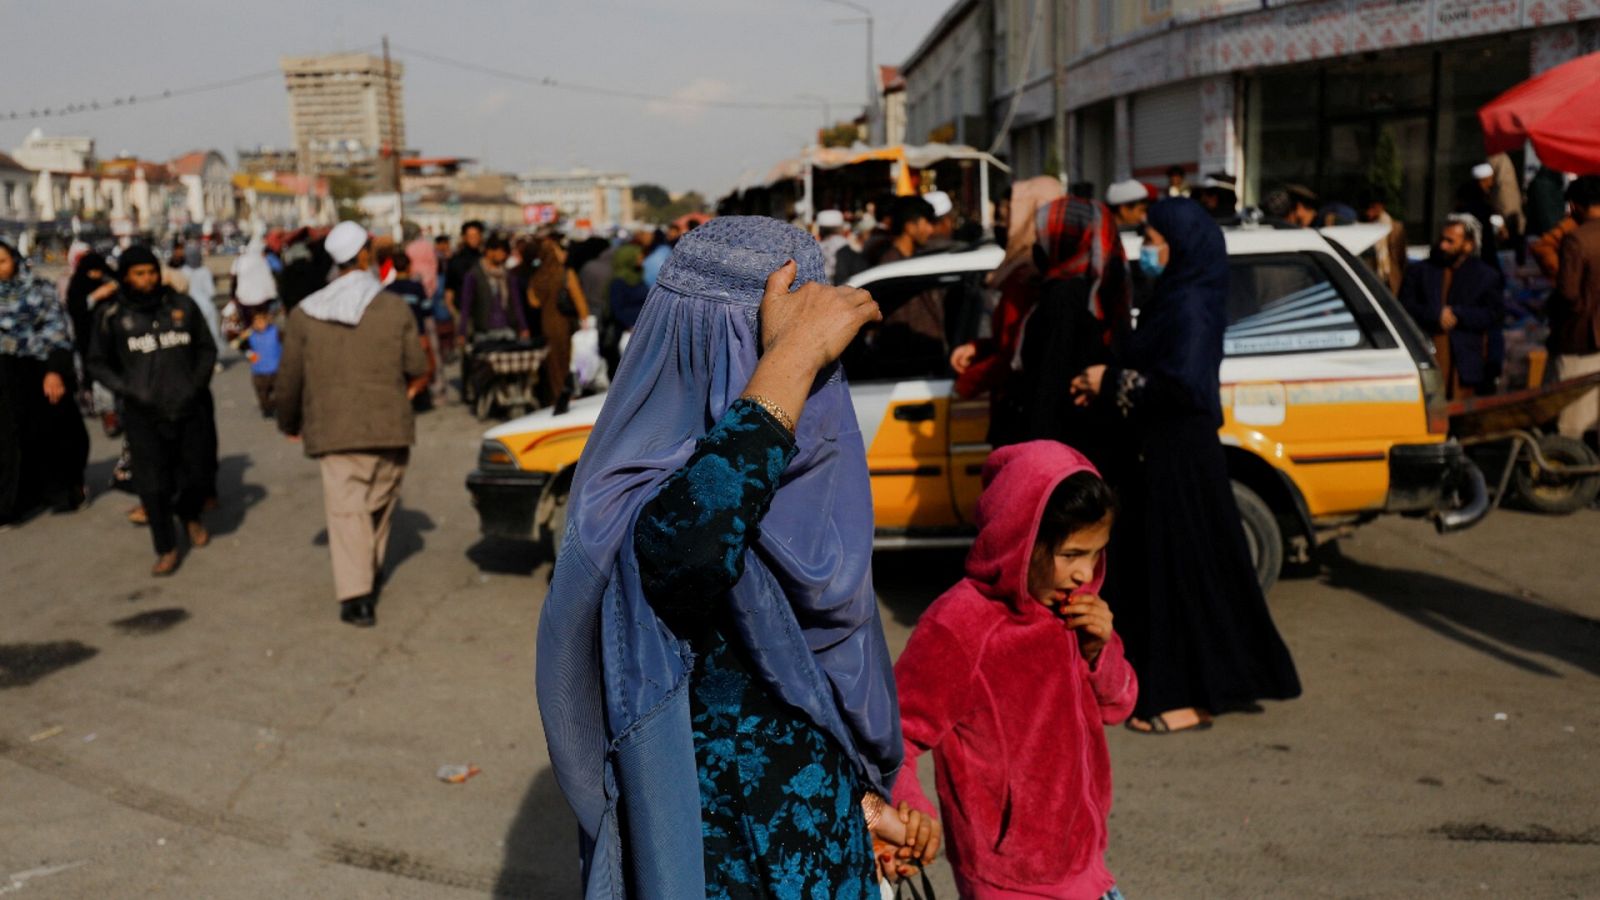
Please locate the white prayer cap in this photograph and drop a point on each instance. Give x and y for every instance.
(1130, 191)
(1482, 170)
(345, 241)
(830, 218)
(940, 201)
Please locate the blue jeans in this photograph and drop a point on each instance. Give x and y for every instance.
(1113, 894)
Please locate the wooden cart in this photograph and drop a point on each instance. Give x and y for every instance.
(1509, 434)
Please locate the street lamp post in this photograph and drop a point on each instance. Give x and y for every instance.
(872, 75)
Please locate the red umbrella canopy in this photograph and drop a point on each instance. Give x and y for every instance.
(1557, 112)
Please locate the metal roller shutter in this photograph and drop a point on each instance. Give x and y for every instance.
(1166, 128)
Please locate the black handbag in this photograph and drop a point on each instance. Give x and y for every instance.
(905, 890)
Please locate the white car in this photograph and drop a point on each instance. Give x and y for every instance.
(1334, 408)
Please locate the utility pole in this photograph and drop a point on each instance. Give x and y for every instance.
(394, 143)
(872, 70)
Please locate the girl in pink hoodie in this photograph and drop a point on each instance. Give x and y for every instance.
(1010, 678)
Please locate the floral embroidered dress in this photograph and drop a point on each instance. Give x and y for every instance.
(780, 802)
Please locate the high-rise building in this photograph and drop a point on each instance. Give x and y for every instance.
(339, 110)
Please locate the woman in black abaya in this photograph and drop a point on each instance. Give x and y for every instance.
(43, 447)
(1184, 590)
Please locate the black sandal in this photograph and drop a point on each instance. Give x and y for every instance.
(1158, 725)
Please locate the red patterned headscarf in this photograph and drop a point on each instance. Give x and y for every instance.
(1078, 239)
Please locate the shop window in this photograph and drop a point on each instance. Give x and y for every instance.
(1469, 77)
(1287, 303)
(1282, 142)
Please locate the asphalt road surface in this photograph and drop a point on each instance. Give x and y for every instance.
(221, 734)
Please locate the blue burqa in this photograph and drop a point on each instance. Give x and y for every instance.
(612, 677)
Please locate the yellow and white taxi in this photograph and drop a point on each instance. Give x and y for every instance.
(1334, 408)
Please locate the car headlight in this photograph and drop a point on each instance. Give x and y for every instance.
(495, 455)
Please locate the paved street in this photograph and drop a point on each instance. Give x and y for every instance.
(220, 734)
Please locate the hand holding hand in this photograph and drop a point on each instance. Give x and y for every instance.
(1091, 618)
(1448, 320)
(905, 839)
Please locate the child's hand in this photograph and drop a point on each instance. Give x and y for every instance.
(923, 837)
(1091, 617)
(904, 839)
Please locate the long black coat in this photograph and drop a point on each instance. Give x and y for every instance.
(1477, 343)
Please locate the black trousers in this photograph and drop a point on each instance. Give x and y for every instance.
(43, 445)
(264, 396)
(172, 469)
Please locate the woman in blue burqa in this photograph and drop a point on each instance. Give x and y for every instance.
(713, 680)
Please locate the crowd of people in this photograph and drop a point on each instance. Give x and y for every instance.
(710, 646)
(134, 339)
(1471, 288)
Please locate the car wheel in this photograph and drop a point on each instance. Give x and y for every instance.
(1262, 533)
(1549, 491)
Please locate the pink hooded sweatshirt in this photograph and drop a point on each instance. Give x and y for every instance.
(993, 683)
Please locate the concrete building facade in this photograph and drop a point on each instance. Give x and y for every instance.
(892, 103)
(265, 202)
(42, 152)
(339, 110)
(948, 79)
(1324, 93)
(16, 190)
(1349, 97)
(988, 75)
(600, 199)
(207, 187)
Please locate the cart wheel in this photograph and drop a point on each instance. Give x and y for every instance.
(1549, 491)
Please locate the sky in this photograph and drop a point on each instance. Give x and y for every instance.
(766, 51)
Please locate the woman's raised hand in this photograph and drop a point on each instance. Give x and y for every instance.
(814, 324)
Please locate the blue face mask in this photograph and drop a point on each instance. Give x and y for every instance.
(1150, 261)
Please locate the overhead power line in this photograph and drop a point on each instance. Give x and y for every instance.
(105, 104)
(109, 103)
(546, 81)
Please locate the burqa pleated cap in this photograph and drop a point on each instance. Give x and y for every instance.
(729, 258)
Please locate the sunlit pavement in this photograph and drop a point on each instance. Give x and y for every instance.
(221, 734)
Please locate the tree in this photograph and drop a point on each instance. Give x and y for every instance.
(844, 134)
(651, 195)
(689, 202)
(1385, 177)
(345, 192)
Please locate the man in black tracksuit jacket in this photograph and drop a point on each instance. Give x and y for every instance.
(152, 348)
